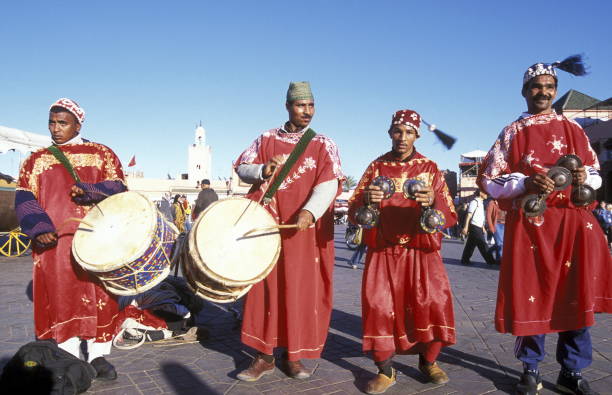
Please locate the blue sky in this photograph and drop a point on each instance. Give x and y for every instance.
(147, 72)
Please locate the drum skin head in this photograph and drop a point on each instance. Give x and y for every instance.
(218, 247)
(123, 226)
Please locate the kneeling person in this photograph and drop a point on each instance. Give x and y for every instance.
(406, 296)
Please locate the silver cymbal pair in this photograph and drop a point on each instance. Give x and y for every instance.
(431, 220)
(561, 174)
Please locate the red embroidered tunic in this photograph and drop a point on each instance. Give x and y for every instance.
(292, 306)
(406, 296)
(68, 302)
(555, 272)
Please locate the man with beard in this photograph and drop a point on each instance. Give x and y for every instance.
(291, 307)
(406, 297)
(57, 184)
(555, 271)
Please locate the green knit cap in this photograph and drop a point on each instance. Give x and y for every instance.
(299, 91)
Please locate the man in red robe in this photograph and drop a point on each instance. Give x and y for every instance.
(555, 271)
(291, 307)
(70, 306)
(406, 297)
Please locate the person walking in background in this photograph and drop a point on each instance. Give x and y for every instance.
(179, 213)
(206, 196)
(474, 229)
(496, 220)
(604, 217)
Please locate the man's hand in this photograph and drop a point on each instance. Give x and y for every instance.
(425, 196)
(272, 164)
(76, 191)
(305, 219)
(539, 184)
(579, 176)
(464, 232)
(47, 238)
(373, 194)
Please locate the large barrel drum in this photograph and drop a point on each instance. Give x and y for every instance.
(125, 242)
(221, 261)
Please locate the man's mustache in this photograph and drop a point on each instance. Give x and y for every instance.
(541, 97)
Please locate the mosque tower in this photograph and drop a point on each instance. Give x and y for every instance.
(200, 155)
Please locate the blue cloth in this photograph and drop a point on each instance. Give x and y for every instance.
(574, 350)
(32, 218)
(498, 237)
(95, 193)
(358, 254)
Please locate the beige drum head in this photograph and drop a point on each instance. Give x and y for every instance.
(220, 249)
(122, 227)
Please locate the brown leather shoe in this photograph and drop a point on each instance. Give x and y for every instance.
(434, 373)
(295, 369)
(381, 383)
(257, 370)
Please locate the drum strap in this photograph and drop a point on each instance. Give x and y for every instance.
(59, 155)
(299, 148)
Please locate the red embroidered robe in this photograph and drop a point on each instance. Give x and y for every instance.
(555, 272)
(291, 307)
(68, 301)
(406, 296)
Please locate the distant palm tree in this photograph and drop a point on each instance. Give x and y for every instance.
(349, 183)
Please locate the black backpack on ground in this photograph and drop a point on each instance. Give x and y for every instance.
(41, 367)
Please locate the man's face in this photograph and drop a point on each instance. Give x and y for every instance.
(63, 126)
(300, 112)
(539, 93)
(402, 139)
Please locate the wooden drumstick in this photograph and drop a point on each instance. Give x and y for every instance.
(270, 228)
(79, 220)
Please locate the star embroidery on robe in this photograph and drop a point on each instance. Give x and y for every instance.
(557, 145)
(560, 196)
(531, 299)
(140, 318)
(529, 158)
(105, 336)
(101, 304)
(85, 300)
(589, 226)
(568, 264)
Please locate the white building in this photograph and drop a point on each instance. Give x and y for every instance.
(199, 158)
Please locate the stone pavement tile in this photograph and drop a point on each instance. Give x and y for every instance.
(242, 389)
(139, 377)
(123, 380)
(117, 391)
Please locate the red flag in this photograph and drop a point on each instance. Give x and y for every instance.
(132, 162)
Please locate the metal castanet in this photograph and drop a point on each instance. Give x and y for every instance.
(533, 204)
(561, 176)
(582, 195)
(367, 216)
(431, 220)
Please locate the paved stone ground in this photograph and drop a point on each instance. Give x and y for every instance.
(482, 361)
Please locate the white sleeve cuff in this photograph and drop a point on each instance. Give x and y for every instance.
(250, 173)
(507, 186)
(593, 178)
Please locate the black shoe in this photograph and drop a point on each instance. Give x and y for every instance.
(569, 383)
(105, 370)
(530, 383)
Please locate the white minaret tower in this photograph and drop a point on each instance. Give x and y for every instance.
(200, 155)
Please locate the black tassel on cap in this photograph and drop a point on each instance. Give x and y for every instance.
(572, 64)
(444, 138)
